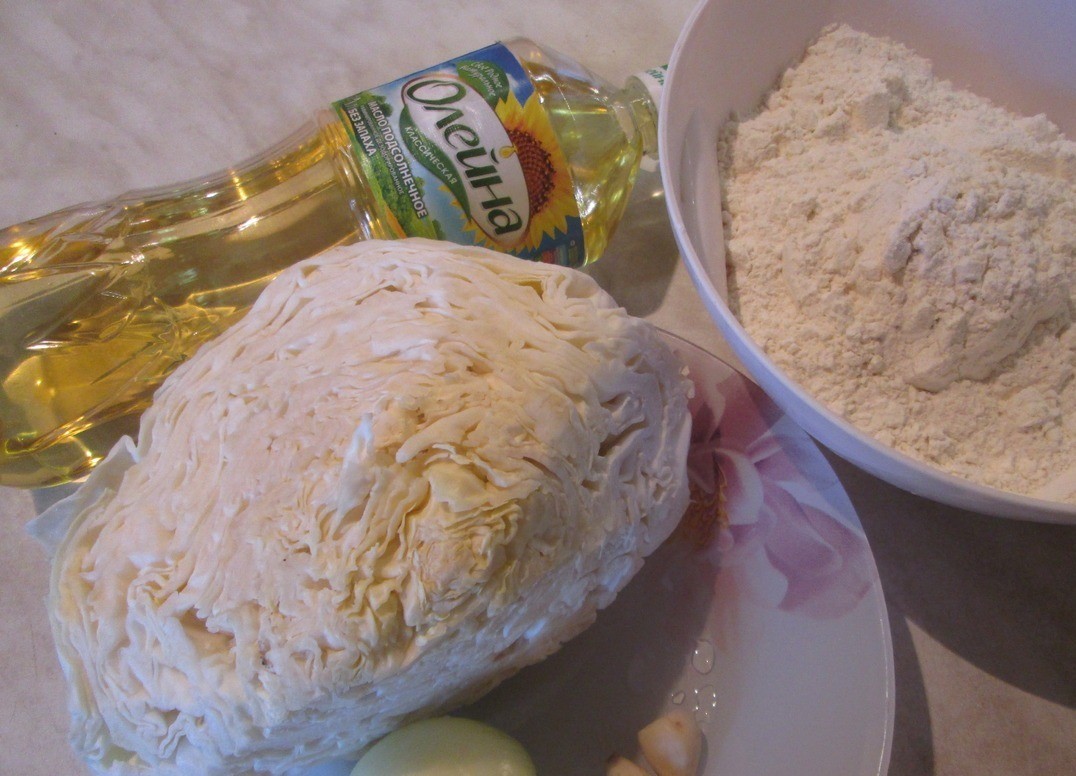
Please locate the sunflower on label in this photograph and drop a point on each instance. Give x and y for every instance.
(465, 152)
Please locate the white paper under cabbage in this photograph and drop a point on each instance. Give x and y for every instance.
(409, 471)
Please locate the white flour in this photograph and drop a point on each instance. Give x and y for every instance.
(907, 252)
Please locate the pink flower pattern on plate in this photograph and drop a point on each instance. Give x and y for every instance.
(782, 502)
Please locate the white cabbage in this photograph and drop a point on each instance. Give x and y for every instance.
(409, 471)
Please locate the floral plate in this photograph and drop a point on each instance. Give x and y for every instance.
(763, 616)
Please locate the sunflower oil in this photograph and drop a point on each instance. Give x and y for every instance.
(513, 147)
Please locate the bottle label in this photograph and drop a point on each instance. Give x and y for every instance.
(465, 152)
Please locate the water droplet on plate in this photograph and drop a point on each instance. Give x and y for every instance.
(702, 659)
(705, 703)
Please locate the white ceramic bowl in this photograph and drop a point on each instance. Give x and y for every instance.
(730, 53)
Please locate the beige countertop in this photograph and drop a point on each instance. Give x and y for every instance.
(97, 98)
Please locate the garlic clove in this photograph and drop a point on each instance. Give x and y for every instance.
(672, 744)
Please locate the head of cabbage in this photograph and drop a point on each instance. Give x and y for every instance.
(410, 470)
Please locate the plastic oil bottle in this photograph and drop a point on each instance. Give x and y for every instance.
(513, 147)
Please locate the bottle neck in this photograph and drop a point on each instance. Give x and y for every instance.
(642, 93)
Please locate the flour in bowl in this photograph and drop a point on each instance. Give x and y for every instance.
(906, 251)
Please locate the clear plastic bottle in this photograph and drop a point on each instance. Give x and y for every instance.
(99, 303)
